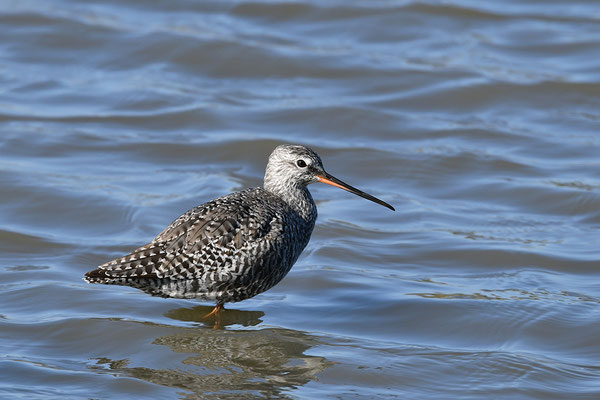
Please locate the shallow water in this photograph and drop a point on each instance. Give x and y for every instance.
(478, 122)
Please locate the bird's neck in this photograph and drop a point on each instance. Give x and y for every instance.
(297, 197)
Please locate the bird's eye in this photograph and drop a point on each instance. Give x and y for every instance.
(301, 163)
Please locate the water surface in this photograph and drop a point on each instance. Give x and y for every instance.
(478, 121)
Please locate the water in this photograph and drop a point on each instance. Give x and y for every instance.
(478, 121)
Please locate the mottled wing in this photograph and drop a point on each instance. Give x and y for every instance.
(203, 239)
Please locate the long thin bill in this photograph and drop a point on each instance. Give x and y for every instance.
(332, 180)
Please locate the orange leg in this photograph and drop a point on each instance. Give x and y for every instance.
(215, 311)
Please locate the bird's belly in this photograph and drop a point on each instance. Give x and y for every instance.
(246, 274)
(237, 284)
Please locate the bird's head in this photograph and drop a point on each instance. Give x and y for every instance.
(292, 166)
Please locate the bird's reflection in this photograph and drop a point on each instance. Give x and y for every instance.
(227, 317)
(255, 363)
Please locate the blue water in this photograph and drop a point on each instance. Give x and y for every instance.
(478, 122)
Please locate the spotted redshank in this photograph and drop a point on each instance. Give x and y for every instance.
(236, 246)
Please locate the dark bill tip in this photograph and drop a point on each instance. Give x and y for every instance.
(332, 180)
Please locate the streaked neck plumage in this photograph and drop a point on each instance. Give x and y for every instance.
(294, 193)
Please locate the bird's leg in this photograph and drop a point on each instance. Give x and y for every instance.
(219, 307)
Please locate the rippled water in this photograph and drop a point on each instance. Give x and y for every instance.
(478, 121)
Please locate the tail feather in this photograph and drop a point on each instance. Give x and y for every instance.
(142, 262)
(101, 275)
(96, 276)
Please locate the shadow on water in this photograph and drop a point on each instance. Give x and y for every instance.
(234, 363)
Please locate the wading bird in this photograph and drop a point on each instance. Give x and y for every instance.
(236, 246)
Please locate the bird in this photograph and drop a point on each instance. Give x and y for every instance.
(236, 246)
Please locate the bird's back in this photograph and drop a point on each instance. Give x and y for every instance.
(235, 247)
